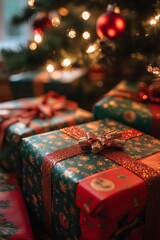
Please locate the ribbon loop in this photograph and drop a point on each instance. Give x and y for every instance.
(42, 110)
(98, 143)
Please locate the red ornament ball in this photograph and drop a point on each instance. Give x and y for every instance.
(110, 25)
(40, 24)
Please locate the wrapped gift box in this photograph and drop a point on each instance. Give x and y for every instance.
(56, 168)
(127, 103)
(10, 157)
(31, 84)
(14, 218)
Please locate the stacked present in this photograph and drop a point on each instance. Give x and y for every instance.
(136, 104)
(83, 179)
(98, 180)
(25, 117)
(31, 84)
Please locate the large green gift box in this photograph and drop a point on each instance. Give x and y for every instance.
(35, 83)
(57, 164)
(67, 115)
(133, 103)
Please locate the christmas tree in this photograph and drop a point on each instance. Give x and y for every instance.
(122, 36)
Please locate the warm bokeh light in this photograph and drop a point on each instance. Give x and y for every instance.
(111, 32)
(119, 23)
(86, 35)
(153, 22)
(66, 62)
(50, 68)
(86, 15)
(72, 33)
(31, 3)
(33, 46)
(56, 21)
(90, 49)
(63, 11)
(37, 38)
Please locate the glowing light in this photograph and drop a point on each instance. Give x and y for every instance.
(72, 33)
(90, 49)
(31, 3)
(37, 38)
(117, 10)
(119, 23)
(157, 17)
(111, 32)
(153, 22)
(33, 46)
(56, 21)
(66, 62)
(50, 68)
(63, 11)
(86, 35)
(86, 15)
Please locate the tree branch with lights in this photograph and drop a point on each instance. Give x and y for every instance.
(122, 36)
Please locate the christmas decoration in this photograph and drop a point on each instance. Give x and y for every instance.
(127, 43)
(110, 25)
(41, 23)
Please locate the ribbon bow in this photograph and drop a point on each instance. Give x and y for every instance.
(98, 143)
(149, 93)
(28, 112)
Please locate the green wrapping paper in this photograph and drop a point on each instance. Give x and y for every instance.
(67, 173)
(32, 84)
(10, 157)
(131, 111)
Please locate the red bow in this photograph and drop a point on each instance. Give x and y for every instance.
(42, 110)
(145, 94)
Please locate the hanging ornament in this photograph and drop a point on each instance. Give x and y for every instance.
(41, 23)
(110, 24)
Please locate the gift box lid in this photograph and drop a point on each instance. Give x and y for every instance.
(111, 193)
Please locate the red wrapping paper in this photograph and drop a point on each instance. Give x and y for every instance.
(108, 197)
(14, 219)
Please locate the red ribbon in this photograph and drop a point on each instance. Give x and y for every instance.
(146, 94)
(51, 159)
(30, 111)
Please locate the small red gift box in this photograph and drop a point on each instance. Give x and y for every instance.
(14, 219)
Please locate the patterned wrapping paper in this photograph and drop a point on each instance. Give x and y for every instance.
(67, 173)
(14, 219)
(10, 157)
(142, 116)
(32, 84)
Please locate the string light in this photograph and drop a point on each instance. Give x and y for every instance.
(63, 11)
(154, 20)
(50, 68)
(86, 35)
(72, 33)
(31, 3)
(37, 38)
(33, 46)
(56, 21)
(66, 62)
(86, 15)
(90, 49)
